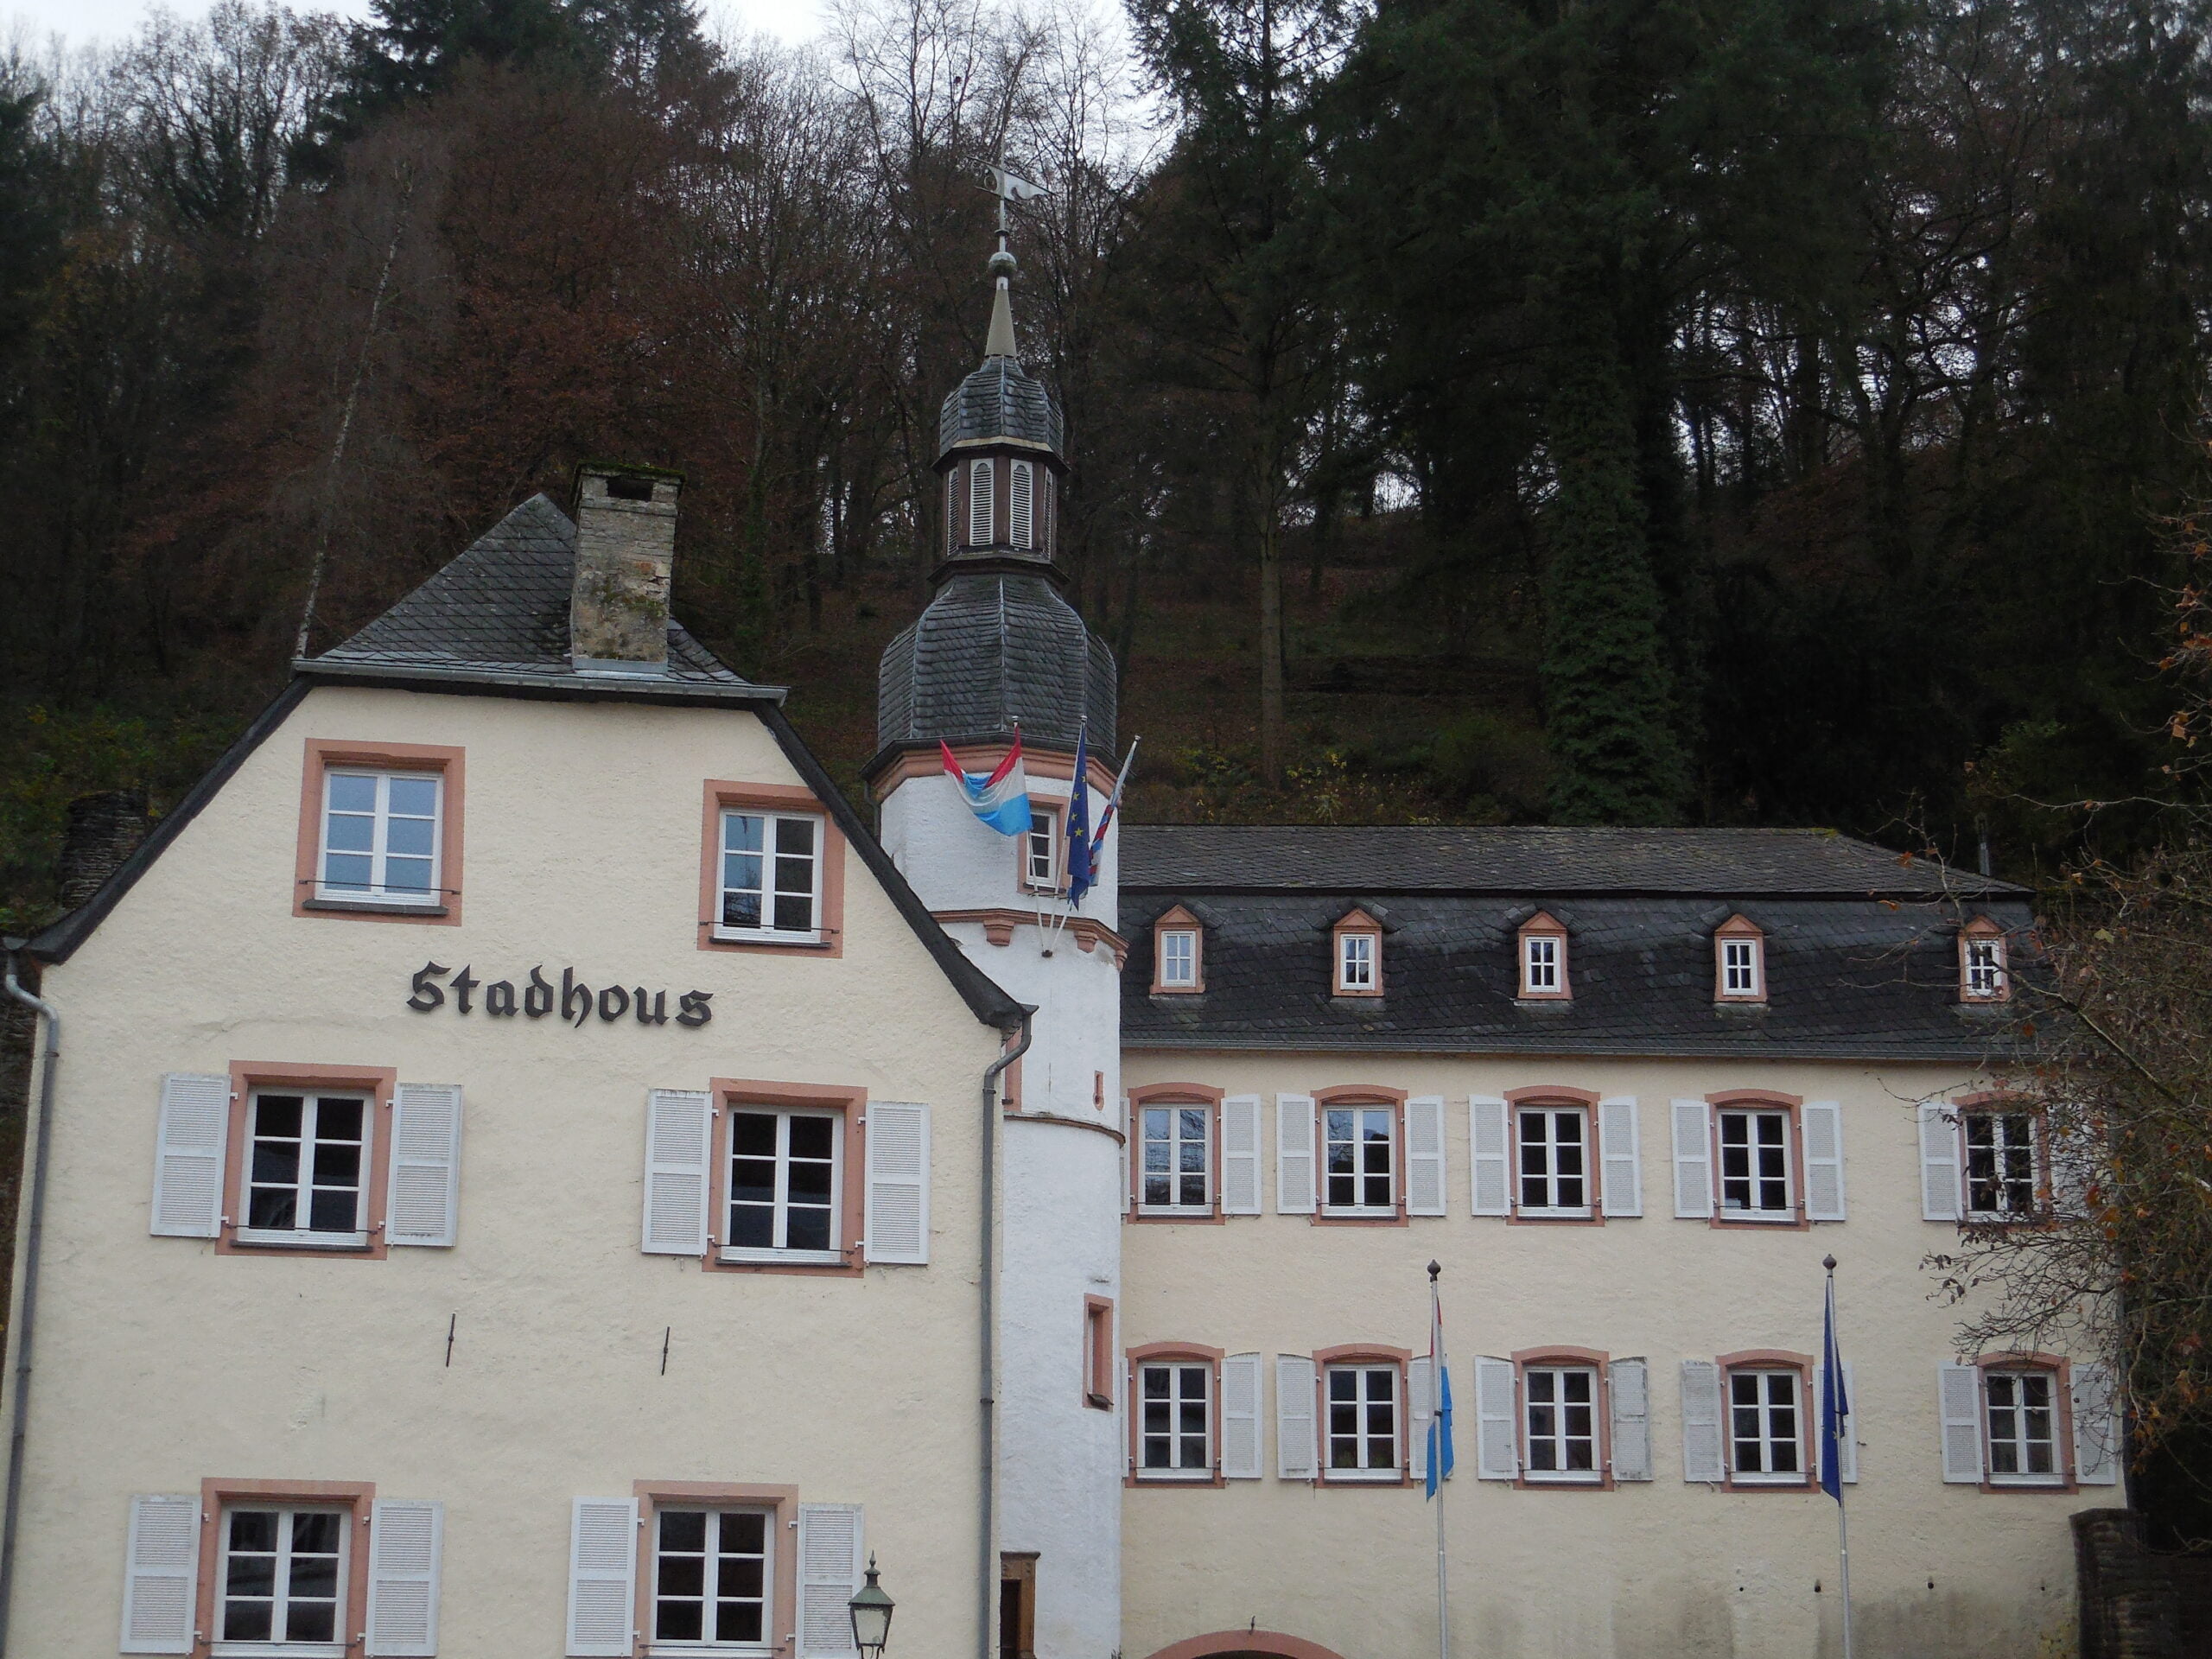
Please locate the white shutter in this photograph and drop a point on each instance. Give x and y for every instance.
(602, 1577)
(406, 1540)
(1424, 1155)
(2073, 1164)
(1295, 1384)
(1939, 1163)
(1957, 1399)
(1692, 1159)
(423, 1203)
(678, 1131)
(1620, 1161)
(1240, 1155)
(1846, 1449)
(1628, 1388)
(1823, 1123)
(1293, 1154)
(979, 504)
(828, 1574)
(1701, 1459)
(161, 1573)
(897, 1207)
(1017, 505)
(1497, 1438)
(1135, 1154)
(2098, 1439)
(195, 1131)
(1420, 1413)
(1240, 1417)
(1489, 1155)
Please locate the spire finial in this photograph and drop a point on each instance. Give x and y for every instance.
(999, 342)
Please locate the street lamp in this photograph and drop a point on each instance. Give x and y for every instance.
(871, 1611)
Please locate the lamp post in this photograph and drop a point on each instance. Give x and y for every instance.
(871, 1610)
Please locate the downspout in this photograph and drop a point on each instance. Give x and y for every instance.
(26, 1313)
(986, 1585)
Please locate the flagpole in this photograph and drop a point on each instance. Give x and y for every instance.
(1832, 1425)
(1436, 1456)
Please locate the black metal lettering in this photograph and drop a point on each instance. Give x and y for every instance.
(617, 1007)
(691, 1008)
(463, 983)
(426, 995)
(660, 1015)
(537, 996)
(499, 999)
(575, 997)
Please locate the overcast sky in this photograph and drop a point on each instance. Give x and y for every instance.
(83, 21)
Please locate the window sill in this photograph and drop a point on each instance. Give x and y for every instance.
(1099, 1402)
(277, 1649)
(1176, 1212)
(1565, 1478)
(2027, 1482)
(368, 907)
(1758, 1217)
(1772, 1484)
(703, 1650)
(752, 1258)
(1363, 1478)
(287, 1239)
(1174, 1476)
(1359, 1212)
(1534, 1214)
(788, 941)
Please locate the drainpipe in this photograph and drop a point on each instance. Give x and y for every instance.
(27, 1312)
(987, 1586)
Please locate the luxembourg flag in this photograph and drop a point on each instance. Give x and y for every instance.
(1439, 1422)
(1001, 800)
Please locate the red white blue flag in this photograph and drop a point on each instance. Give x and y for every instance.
(1000, 798)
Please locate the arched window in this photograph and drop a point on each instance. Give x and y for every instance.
(1019, 505)
(979, 504)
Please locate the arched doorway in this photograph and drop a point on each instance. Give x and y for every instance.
(1245, 1644)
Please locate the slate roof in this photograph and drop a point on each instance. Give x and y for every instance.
(1861, 952)
(1000, 400)
(991, 648)
(499, 614)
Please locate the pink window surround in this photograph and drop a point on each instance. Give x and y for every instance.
(1771, 1100)
(1056, 809)
(375, 1081)
(1168, 1353)
(1359, 1094)
(1994, 1101)
(1098, 1353)
(1773, 1359)
(1179, 920)
(1542, 925)
(1554, 1095)
(735, 1094)
(322, 754)
(781, 1502)
(722, 794)
(1355, 922)
(1982, 930)
(1369, 1354)
(1176, 1094)
(1739, 928)
(1601, 1414)
(356, 1497)
(2062, 1388)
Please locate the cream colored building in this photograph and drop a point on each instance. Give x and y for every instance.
(528, 1172)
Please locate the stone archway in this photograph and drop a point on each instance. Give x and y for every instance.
(1245, 1644)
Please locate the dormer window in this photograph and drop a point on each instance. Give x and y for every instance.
(1738, 962)
(1178, 952)
(1357, 943)
(1543, 960)
(1983, 976)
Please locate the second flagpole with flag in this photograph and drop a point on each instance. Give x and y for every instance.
(1438, 1452)
(1836, 1418)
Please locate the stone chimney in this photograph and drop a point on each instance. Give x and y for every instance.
(102, 831)
(626, 543)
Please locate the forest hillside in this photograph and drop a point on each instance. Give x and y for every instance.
(1757, 411)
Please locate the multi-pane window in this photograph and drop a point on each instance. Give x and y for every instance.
(1740, 967)
(1765, 1422)
(1357, 1158)
(784, 1184)
(1559, 1406)
(283, 1576)
(1175, 1170)
(305, 1160)
(1983, 966)
(1555, 1160)
(1040, 852)
(1355, 962)
(771, 877)
(1175, 1420)
(1178, 958)
(2000, 1163)
(1755, 1165)
(1362, 1424)
(2023, 1419)
(711, 1573)
(379, 836)
(1540, 964)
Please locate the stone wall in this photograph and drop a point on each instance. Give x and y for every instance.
(2130, 1608)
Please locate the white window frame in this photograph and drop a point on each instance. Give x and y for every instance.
(1543, 964)
(1982, 967)
(1996, 1118)
(1359, 961)
(1559, 1439)
(301, 1234)
(1040, 851)
(1742, 968)
(378, 892)
(1175, 1142)
(2019, 1442)
(1392, 1172)
(1766, 1439)
(657, 1646)
(780, 1207)
(1552, 1176)
(276, 1647)
(1179, 1372)
(1187, 977)
(768, 932)
(1362, 1435)
(1787, 1213)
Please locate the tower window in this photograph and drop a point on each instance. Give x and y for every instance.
(979, 504)
(1019, 502)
